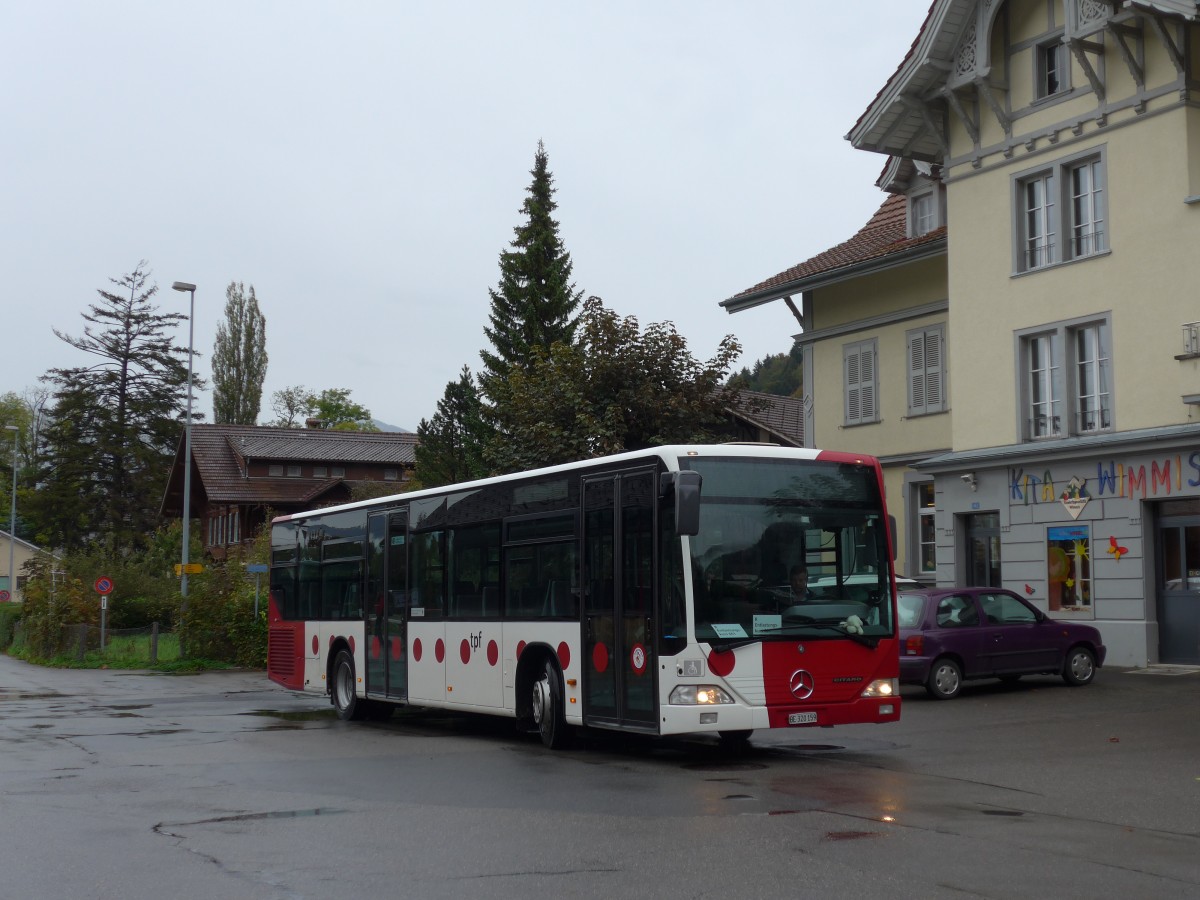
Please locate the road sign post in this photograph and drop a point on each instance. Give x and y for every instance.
(257, 570)
(104, 586)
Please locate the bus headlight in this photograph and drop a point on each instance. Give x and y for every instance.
(882, 687)
(698, 695)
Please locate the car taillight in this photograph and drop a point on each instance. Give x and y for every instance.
(914, 645)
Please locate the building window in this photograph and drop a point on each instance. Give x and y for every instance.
(293, 471)
(391, 475)
(320, 472)
(275, 471)
(926, 530)
(338, 471)
(861, 387)
(1051, 69)
(1067, 378)
(923, 214)
(1037, 217)
(1086, 182)
(234, 527)
(1073, 189)
(1068, 568)
(926, 371)
(1093, 401)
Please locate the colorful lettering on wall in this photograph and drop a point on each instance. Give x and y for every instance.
(1161, 477)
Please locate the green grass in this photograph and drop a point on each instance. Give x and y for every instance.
(127, 652)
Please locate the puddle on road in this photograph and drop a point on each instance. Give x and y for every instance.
(305, 715)
(164, 827)
(851, 835)
(6, 694)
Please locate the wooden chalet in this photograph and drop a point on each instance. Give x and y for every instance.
(241, 474)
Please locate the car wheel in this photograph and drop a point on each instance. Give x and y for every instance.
(945, 679)
(1080, 667)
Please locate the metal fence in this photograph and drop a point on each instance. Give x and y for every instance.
(149, 644)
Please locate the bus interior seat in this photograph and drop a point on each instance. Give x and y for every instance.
(491, 600)
(560, 601)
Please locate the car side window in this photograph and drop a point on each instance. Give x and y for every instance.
(910, 606)
(956, 610)
(1003, 609)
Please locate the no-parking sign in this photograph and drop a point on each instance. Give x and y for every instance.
(104, 585)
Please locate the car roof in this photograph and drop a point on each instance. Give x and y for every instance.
(943, 591)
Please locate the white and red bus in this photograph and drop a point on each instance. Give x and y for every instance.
(644, 592)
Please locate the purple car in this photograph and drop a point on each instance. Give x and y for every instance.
(952, 635)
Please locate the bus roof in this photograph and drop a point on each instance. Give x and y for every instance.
(668, 454)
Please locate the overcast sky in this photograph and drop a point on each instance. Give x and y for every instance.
(363, 164)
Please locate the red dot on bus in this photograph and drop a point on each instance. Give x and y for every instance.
(397, 648)
(464, 651)
(374, 647)
(351, 640)
(520, 647)
(439, 650)
(600, 657)
(564, 656)
(493, 653)
(417, 650)
(721, 664)
(316, 645)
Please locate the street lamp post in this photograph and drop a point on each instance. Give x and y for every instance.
(12, 521)
(187, 440)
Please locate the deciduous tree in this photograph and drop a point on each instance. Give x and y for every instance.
(239, 363)
(618, 388)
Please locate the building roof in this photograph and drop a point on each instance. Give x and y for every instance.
(222, 453)
(782, 417)
(897, 121)
(881, 243)
(20, 542)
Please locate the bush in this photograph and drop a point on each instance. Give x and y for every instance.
(218, 624)
(10, 614)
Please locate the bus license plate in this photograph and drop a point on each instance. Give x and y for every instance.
(804, 718)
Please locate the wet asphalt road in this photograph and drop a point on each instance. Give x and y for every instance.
(130, 785)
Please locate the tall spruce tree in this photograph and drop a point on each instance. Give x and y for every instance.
(239, 361)
(450, 446)
(535, 303)
(115, 424)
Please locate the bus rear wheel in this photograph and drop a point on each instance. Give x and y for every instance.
(341, 688)
(548, 713)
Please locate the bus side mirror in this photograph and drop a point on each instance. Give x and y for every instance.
(686, 488)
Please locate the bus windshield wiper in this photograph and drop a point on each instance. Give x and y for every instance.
(865, 640)
(726, 646)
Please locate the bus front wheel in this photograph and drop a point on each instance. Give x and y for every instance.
(548, 713)
(342, 693)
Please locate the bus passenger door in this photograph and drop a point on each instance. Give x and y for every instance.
(387, 593)
(618, 579)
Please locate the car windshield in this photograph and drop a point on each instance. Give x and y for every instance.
(787, 548)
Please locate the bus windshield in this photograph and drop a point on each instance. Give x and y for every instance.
(790, 548)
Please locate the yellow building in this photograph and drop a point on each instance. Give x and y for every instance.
(21, 553)
(1058, 143)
